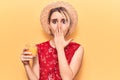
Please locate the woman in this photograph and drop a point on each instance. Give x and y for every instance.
(58, 58)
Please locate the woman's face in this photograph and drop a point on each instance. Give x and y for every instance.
(59, 20)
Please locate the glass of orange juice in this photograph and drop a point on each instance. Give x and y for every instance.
(30, 47)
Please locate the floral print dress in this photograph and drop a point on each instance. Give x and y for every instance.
(48, 59)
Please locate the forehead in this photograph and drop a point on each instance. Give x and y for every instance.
(58, 15)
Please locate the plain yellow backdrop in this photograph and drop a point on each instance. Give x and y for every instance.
(98, 31)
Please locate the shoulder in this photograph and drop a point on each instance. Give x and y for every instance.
(42, 46)
(80, 49)
(79, 52)
(78, 46)
(74, 45)
(42, 43)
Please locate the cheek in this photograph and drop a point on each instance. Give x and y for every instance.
(65, 27)
(53, 27)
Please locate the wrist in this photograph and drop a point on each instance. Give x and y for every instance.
(60, 51)
(60, 48)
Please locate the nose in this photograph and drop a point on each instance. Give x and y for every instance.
(58, 25)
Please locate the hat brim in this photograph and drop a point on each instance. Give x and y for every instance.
(45, 14)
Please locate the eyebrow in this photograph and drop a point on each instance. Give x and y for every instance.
(61, 19)
(64, 19)
(54, 19)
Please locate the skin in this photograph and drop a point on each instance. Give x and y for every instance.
(59, 26)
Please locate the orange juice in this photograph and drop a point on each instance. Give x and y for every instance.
(31, 48)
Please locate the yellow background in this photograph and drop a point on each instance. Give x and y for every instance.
(98, 31)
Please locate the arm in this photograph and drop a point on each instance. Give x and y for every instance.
(35, 66)
(31, 73)
(67, 71)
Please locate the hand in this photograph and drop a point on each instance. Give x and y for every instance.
(59, 39)
(26, 56)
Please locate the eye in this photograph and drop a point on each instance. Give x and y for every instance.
(63, 21)
(54, 21)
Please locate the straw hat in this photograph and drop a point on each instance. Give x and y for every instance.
(45, 14)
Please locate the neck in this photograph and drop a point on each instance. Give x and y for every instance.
(52, 43)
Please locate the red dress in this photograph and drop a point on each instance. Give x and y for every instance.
(48, 59)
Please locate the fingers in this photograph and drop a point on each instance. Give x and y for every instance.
(25, 49)
(26, 53)
(58, 32)
(26, 57)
